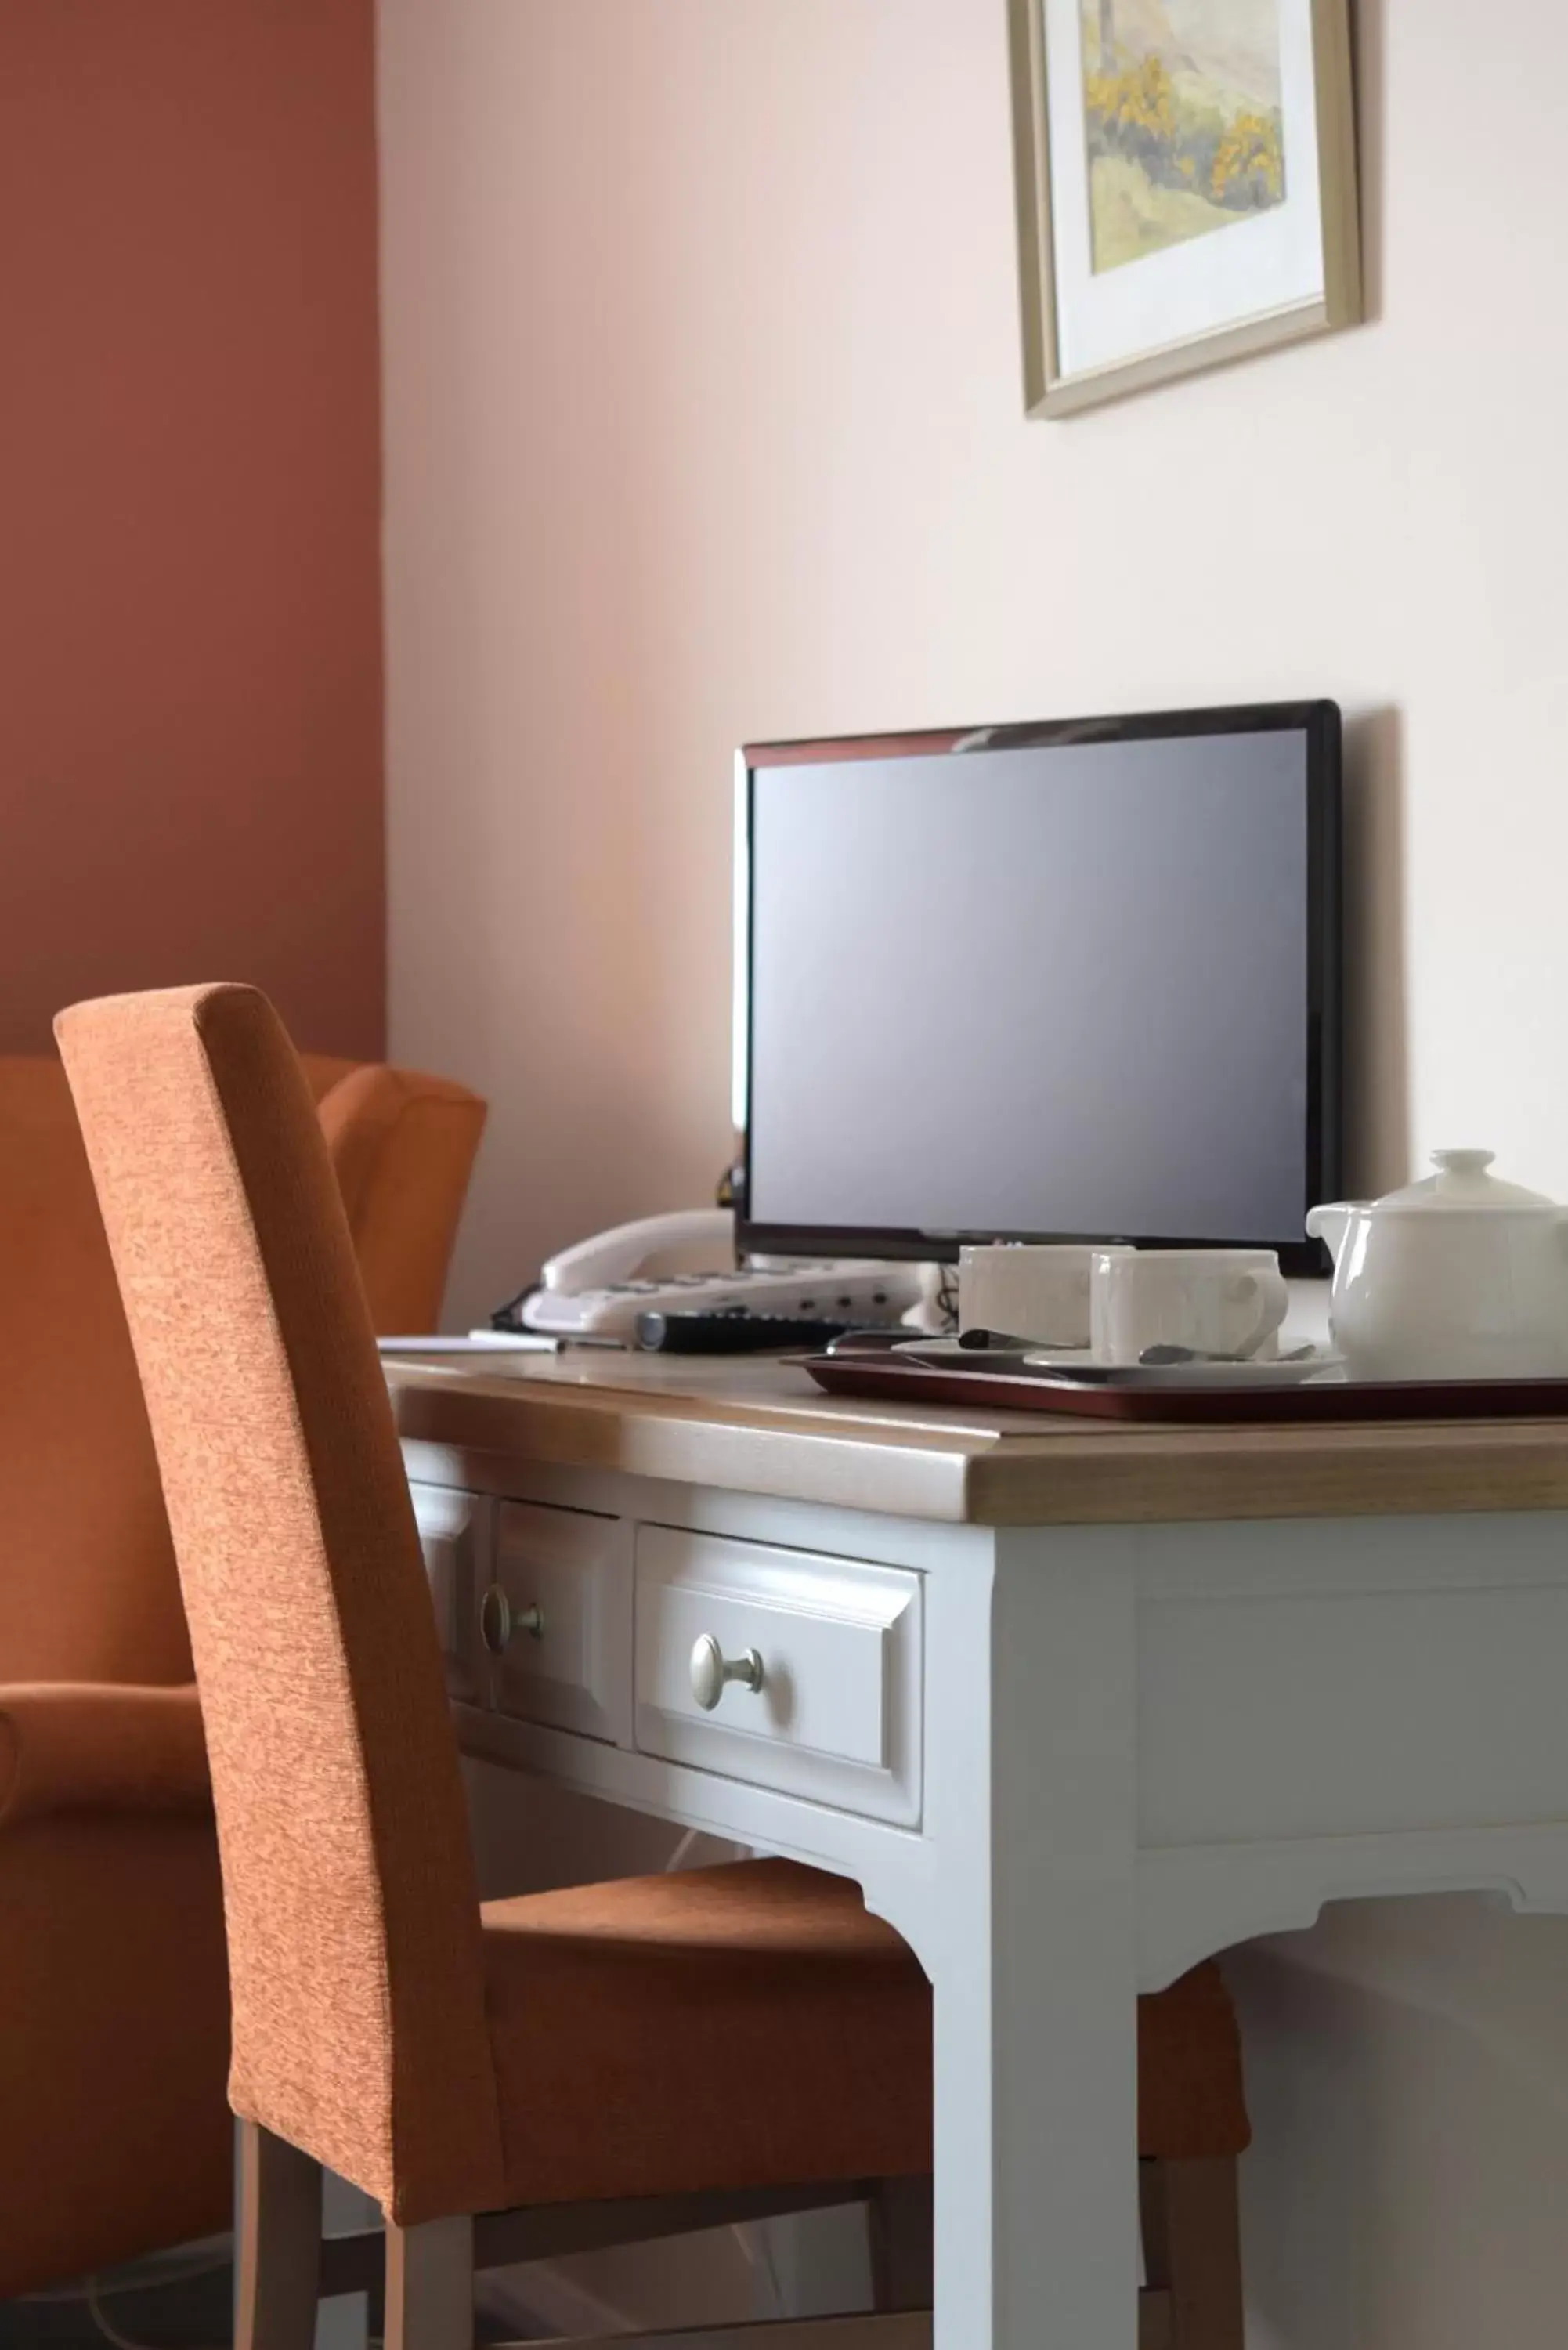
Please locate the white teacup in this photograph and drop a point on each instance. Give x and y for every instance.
(1215, 1301)
(1028, 1291)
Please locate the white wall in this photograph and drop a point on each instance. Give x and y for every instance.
(703, 422)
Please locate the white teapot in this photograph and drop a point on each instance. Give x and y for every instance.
(1458, 1277)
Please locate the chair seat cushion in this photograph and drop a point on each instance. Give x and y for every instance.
(1190, 2099)
(743, 2026)
(754, 2025)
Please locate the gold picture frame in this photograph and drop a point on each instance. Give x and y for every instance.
(1294, 273)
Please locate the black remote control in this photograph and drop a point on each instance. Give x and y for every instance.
(732, 1332)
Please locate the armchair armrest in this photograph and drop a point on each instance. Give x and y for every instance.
(98, 1746)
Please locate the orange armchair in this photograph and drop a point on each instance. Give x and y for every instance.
(402, 1148)
(114, 2050)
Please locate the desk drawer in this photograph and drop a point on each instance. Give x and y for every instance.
(453, 1528)
(837, 1716)
(568, 1664)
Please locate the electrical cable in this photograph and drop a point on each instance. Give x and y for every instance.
(677, 1857)
(755, 2241)
(105, 2324)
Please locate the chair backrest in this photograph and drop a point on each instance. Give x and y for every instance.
(348, 1884)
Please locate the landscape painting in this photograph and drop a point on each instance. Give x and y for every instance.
(1186, 177)
(1182, 120)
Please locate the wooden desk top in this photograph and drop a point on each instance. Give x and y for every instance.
(761, 1427)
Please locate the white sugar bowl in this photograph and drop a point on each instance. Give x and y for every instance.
(1458, 1277)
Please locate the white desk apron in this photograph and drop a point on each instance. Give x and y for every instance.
(1076, 1706)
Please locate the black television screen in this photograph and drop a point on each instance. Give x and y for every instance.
(1065, 982)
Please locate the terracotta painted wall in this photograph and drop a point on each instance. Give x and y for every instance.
(190, 479)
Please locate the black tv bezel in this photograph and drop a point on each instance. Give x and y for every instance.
(1321, 723)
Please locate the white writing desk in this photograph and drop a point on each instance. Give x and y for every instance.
(1076, 1706)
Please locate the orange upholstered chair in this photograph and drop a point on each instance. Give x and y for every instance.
(402, 1147)
(566, 2063)
(114, 2020)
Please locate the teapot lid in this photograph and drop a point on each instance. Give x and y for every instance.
(1462, 1181)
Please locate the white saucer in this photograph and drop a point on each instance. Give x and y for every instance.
(1078, 1367)
(947, 1354)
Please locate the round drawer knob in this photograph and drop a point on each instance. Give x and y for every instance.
(711, 1670)
(499, 1624)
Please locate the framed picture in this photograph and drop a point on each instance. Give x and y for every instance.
(1186, 186)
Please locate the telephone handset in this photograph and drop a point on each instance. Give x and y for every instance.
(597, 1288)
(620, 1253)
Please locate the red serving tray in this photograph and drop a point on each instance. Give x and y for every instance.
(874, 1374)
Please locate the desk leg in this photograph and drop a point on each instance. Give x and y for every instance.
(1031, 1948)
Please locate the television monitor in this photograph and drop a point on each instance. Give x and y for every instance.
(1067, 982)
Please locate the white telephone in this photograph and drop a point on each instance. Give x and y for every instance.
(597, 1288)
